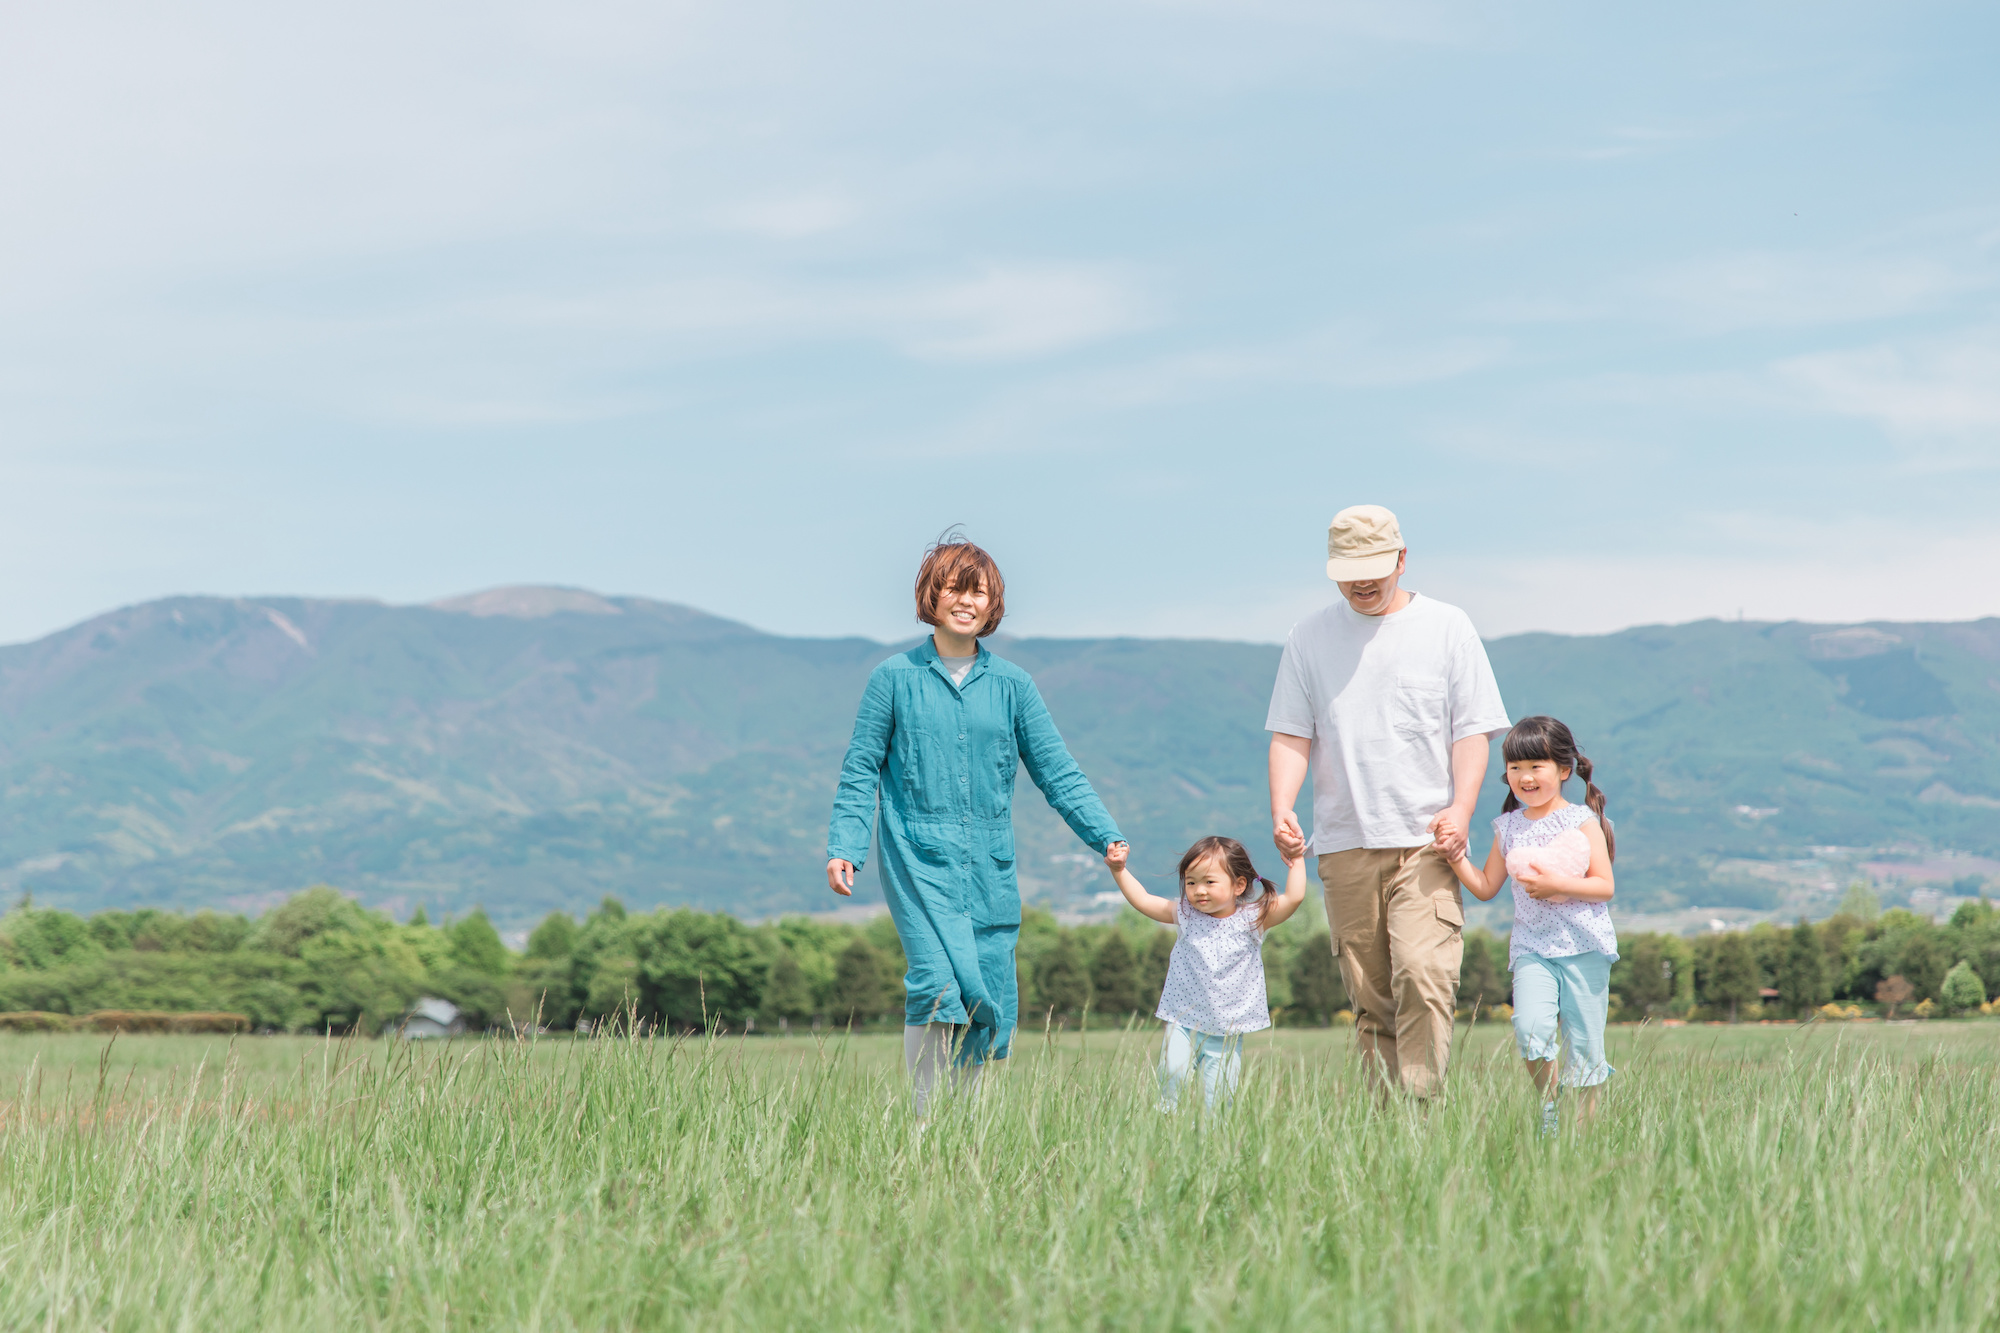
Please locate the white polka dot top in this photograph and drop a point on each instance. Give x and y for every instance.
(1556, 843)
(1215, 979)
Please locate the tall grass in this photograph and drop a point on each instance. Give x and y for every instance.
(1824, 1179)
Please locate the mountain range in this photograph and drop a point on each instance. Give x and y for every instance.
(534, 748)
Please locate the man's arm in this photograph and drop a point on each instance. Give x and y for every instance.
(1468, 770)
(1291, 760)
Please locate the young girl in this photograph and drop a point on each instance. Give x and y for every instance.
(1215, 977)
(1558, 858)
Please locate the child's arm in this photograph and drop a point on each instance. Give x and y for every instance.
(1483, 883)
(1594, 886)
(1160, 909)
(1294, 894)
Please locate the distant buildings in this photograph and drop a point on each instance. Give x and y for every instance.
(431, 1019)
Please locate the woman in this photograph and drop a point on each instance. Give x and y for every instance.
(947, 724)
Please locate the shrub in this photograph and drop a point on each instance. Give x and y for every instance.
(34, 1020)
(1317, 991)
(787, 994)
(1894, 991)
(1114, 979)
(1062, 982)
(129, 1020)
(1962, 989)
(858, 989)
(1483, 978)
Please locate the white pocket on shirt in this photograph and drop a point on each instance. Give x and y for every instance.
(1416, 709)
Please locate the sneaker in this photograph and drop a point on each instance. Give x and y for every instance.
(1550, 1121)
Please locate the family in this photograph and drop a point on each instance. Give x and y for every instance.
(1386, 698)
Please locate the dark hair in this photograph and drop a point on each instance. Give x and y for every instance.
(953, 564)
(1235, 864)
(1544, 738)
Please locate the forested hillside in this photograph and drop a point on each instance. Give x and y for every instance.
(535, 749)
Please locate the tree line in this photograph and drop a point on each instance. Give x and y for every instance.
(322, 962)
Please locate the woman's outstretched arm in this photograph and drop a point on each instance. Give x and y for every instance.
(1052, 769)
(853, 822)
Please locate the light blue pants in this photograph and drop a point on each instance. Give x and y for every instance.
(1566, 996)
(1217, 1059)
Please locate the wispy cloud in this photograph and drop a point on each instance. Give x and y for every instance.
(1776, 289)
(1040, 413)
(1725, 565)
(1013, 312)
(1930, 267)
(791, 217)
(1930, 392)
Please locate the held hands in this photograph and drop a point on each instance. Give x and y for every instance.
(840, 877)
(1116, 855)
(1290, 839)
(1450, 834)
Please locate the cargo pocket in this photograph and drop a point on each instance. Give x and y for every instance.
(1449, 957)
(1000, 842)
(1349, 980)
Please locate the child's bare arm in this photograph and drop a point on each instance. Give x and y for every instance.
(1483, 883)
(1294, 894)
(1160, 909)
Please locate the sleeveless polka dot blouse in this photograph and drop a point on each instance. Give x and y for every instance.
(1215, 978)
(1553, 930)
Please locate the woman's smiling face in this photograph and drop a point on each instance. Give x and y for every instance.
(1210, 890)
(963, 614)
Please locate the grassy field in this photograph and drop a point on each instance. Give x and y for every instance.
(1833, 1177)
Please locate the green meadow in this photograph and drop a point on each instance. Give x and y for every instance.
(1835, 1176)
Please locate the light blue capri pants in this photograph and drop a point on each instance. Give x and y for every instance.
(1569, 996)
(1217, 1061)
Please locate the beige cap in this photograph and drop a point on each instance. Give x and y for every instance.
(1362, 542)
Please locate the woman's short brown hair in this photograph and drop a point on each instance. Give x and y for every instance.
(954, 564)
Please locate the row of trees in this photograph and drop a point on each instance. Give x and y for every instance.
(322, 961)
(1892, 960)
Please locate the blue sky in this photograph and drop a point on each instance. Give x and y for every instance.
(1633, 316)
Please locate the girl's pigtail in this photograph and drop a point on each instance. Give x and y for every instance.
(1264, 903)
(1594, 798)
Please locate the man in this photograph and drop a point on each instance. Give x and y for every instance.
(1388, 697)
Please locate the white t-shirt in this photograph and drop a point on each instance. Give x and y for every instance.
(957, 667)
(1383, 698)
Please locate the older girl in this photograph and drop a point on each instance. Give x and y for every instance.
(941, 731)
(1557, 856)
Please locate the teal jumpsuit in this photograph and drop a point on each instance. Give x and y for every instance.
(943, 758)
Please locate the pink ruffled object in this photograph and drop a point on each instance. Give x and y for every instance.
(1567, 853)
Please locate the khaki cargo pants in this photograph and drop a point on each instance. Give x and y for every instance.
(1397, 922)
